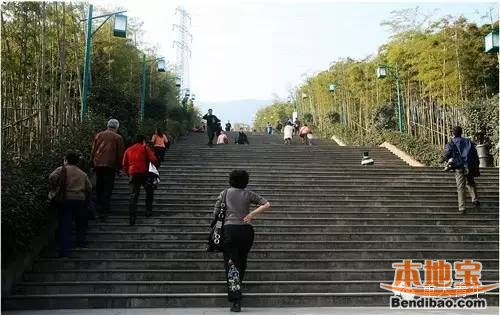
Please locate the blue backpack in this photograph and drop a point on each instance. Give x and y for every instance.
(458, 160)
(466, 158)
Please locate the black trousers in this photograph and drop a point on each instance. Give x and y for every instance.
(104, 188)
(211, 134)
(160, 153)
(238, 240)
(72, 210)
(135, 183)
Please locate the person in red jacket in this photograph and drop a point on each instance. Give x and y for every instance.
(136, 161)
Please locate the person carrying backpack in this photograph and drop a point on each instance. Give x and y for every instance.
(461, 156)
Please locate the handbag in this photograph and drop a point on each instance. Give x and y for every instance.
(216, 236)
(153, 177)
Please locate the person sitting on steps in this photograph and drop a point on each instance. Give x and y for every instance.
(222, 138)
(241, 138)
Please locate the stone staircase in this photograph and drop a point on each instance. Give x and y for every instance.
(333, 232)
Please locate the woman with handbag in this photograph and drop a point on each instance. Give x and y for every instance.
(238, 233)
(70, 189)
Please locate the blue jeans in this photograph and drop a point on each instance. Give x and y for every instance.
(77, 210)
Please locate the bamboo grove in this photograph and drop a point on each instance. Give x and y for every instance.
(442, 68)
(42, 64)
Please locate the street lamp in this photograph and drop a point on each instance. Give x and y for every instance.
(161, 65)
(120, 27)
(332, 87)
(382, 72)
(491, 42)
(119, 30)
(160, 68)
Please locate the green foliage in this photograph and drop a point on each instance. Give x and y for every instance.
(25, 209)
(273, 113)
(441, 68)
(419, 148)
(308, 118)
(42, 59)
(481, 122)
(383, 118)
(333, 117)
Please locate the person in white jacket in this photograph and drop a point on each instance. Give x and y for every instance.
(288, 132)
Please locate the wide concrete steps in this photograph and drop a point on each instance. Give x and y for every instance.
(331, 238)
(162, 300)
(213, 262)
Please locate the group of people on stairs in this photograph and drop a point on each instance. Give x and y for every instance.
(70, 191)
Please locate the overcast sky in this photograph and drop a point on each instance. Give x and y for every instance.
(258, 49)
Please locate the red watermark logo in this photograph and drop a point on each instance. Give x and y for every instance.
(438, 280)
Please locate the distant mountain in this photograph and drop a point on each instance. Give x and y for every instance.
(241, 111)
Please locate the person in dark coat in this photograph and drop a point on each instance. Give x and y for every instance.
(212, 126)
(461, 156)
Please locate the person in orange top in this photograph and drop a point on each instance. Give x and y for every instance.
(136, 161)
(160, 144)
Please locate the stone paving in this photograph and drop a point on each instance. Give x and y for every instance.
(257, 311)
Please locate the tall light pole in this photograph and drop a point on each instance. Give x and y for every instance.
(161, 68)
(331, 88)
(382, 72)
(120, 30)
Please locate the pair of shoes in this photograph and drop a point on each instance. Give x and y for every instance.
(236, 307)
(476, 204)
(132, 220)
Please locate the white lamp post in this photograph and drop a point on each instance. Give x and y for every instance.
(382, 73)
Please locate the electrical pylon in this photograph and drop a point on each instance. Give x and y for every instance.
(183, 49)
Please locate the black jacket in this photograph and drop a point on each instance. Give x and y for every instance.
(212, 121)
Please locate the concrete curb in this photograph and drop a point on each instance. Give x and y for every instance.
(338, 141)
(401, 154)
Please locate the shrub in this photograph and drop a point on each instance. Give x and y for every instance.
(419, 148)
(25, 208)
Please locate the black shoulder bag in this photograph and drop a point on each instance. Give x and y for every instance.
(215, 238)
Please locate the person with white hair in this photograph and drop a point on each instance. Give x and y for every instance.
(106, 158)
